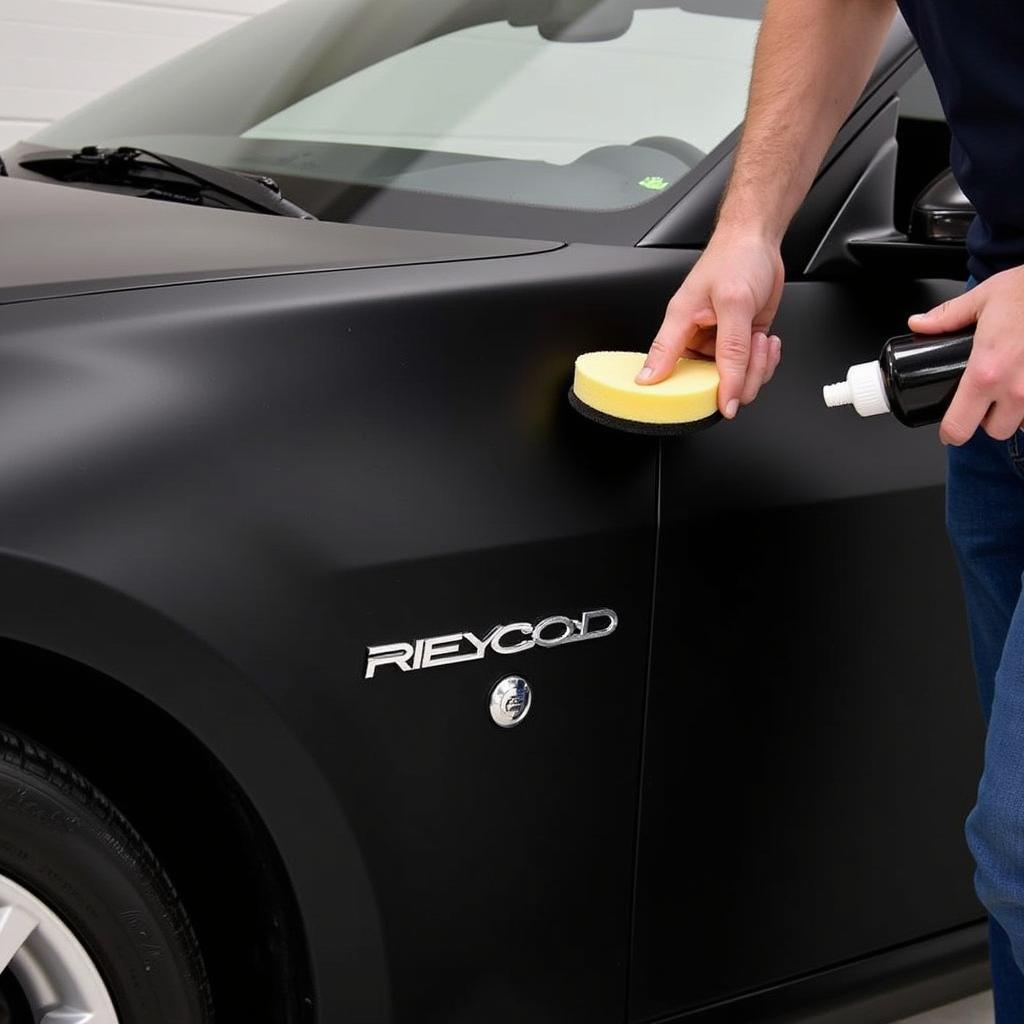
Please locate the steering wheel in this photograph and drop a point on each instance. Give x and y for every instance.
(685, 151)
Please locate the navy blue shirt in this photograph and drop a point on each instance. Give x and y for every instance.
(975, 51)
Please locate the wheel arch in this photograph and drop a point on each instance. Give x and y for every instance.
(245, 777)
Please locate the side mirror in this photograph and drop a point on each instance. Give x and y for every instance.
(942, 213)
(936, 245)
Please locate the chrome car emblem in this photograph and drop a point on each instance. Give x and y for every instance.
(510, 701)
(452, 648)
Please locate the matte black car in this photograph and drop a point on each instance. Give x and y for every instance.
(295, 517)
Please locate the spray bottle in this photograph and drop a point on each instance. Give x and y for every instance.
(914, 378)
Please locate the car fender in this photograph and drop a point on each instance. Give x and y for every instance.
(87, 621)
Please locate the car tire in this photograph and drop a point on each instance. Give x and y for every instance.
(88, 919)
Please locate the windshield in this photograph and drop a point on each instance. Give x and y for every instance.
(573, 105)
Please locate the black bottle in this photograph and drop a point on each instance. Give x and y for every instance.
(915, 378)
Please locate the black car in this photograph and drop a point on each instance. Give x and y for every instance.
(351, 677)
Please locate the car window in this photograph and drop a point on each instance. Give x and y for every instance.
(599, 125)
(506, 101)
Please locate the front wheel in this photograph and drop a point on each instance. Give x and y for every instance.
(90, 926)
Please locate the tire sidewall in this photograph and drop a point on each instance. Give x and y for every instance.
(93, 876)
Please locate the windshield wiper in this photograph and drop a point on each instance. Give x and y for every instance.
(172, 179)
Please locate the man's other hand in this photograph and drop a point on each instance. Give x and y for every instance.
(725, 309)
(991, 392)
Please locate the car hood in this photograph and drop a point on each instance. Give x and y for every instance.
(61, 240)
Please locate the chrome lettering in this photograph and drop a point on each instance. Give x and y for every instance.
(388, 654)
(568, 629)
(449, 649)
(525, 628)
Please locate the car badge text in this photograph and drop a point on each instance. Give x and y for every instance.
(452, 648)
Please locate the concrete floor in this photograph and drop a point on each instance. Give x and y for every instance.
(975, 1010)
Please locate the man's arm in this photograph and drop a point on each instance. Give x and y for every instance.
(812, 61)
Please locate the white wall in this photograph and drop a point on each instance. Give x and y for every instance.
(56, 55)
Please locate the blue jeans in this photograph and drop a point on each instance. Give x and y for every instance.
(985, 516)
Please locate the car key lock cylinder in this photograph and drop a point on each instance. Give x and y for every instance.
(914, 378)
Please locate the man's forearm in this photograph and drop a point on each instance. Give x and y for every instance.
(813, 58)
(812, 61)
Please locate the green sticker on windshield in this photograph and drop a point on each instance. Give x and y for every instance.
(655, 182)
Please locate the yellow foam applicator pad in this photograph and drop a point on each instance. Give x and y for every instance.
(604, 389)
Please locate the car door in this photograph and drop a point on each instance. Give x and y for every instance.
(812, 737)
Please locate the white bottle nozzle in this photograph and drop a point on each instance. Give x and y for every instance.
(838, 394)
(864, 389)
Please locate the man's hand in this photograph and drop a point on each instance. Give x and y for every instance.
(991, 393)
(725, 308)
